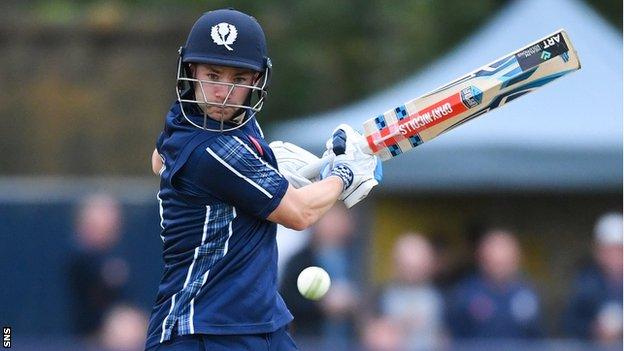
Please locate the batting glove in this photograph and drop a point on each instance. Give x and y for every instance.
(359, 171)
(290, 159)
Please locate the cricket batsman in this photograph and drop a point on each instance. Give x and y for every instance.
(223, 190)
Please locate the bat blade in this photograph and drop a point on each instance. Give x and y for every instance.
(480, 91)
(424, 118)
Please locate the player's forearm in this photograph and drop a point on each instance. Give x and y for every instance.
(300, 208)
(319, 197)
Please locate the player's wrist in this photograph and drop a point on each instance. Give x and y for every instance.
(345, 174)
(335, 183)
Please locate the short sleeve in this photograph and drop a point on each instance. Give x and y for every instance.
(159, 141)
(231, 171)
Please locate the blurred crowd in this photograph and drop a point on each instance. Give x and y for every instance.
(428, 303)
(98, 277)
(427, 306)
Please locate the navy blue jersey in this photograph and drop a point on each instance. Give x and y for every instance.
(219, 250)
(479, 308)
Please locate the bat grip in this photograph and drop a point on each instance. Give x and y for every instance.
(312, 170)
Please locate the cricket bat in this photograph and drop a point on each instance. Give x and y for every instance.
(419, 120)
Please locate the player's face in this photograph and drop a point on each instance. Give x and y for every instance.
(499, 256)
(222, 85)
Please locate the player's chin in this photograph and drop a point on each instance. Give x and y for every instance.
(221, 113)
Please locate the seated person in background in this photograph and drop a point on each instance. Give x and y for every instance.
(331, 318)
(411, 301)
(382, 334)
(496, 302)
(97, 275)
(123, 328)
(594, 311)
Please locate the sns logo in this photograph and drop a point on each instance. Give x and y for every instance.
(551, 41)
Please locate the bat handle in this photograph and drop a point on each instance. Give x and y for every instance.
(312, 170)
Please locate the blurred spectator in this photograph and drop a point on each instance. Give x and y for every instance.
(331, 317)
(289, 242)
(382, 334)
(96, 275)
(123, 329)
(595, 308)
(496, 302)
(452, 266)
(411, 300)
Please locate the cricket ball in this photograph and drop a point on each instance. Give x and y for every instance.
(313, 282)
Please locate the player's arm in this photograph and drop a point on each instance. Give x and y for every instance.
(156, 162)
(230, 170)
(350, 177)
(300, 208)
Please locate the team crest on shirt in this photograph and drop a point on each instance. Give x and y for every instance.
(224, 34)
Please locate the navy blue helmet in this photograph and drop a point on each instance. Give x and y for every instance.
(225, 37)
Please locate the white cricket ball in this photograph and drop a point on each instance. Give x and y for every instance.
(313, 282)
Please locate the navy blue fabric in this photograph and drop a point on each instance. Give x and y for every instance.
(247, 49)
(591, 292)
(479, 308)
(219, 251)
(247, 171)
(278, 340)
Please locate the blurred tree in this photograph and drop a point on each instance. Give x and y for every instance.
(95, 104)
(610, 9)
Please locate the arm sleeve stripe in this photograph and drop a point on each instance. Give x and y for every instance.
(256, 155)
(254, 184)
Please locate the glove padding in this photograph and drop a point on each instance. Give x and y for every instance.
(359, 170)
(290, 159)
